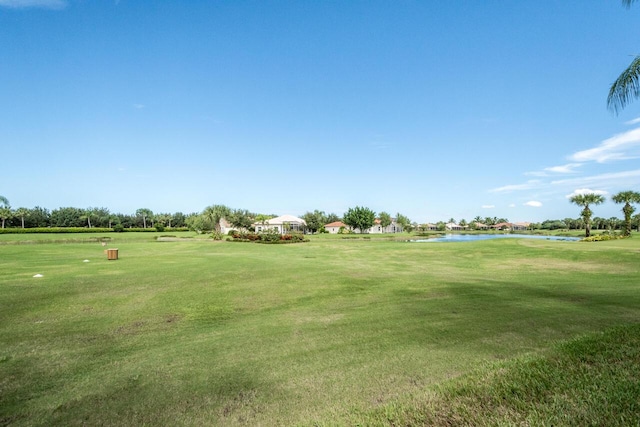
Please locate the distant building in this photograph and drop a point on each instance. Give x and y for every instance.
(282, 224)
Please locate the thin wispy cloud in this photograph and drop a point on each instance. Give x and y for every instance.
(581, 191)
(620, 179)
(138, 106)
(23, 4)
(568, 168)
(633, 122)
(488, 206)
(555, 170)
(533, 204)
(532, 183)
(623, 146)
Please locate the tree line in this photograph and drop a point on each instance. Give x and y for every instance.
(357, 218)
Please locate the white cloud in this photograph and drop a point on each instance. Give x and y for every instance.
(533, 203)
(585, 191)
(512, 205)
(633, 122)
(568, 168)
(624, 179)
(488, 206)
(532, 183)
(21, 4)
(622, 146)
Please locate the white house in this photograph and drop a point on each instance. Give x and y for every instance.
(377, 228)
(282, 224)
(225, 226)
(453, 226)
(334, 227)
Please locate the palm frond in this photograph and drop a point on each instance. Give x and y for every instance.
(626, 87)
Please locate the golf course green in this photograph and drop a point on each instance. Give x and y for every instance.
(333, 331)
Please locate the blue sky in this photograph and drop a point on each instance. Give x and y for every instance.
(434, 109)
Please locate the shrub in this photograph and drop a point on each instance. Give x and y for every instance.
(159, 227)
(118, 228)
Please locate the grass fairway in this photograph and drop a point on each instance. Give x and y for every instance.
(217, 333)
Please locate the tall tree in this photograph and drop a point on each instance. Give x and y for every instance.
(315, 220)
(627, 85)
(404, 222)
(88, 213)
(215, 213)
(22, 213)
(241, 219)
(385, 220)
(144, 213)
(628, 198)
(5, 214)
(332, 217)
(360, 218)
(4, 202)
(585, 200)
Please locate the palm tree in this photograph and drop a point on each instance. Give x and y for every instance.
(22, 213)
(5, 214)
(627, 197)
(215, 213)
(627, 85)
(585, 200)
(87, 214)
(4, 202)
(144, 213)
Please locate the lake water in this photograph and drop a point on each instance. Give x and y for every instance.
(475, 237)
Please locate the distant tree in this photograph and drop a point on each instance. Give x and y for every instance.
(4, 202)
(404, 222)
(87, 214)
(163, 219)
(462, 223)
(22, 213)
(332, 217)
(215, 213)
(241, 219)
(553, 224)
(315, 220)
(263, 218)
(198, 223)
(144, 213)
(67, 217)
(38, 217)
(5, 214)
(385, 220)
(360, 218)
(585, 200)
(102, 217)
(628, 198)
(178, 220)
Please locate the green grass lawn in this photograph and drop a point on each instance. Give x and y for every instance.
(328, 332)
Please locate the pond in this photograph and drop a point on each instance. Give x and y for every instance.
(475, 237)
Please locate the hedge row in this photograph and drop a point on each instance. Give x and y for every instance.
(80, 230)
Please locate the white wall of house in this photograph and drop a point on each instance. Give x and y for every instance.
(282, 224)
(334, 227)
